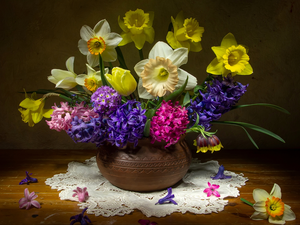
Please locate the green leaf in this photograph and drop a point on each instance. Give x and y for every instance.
(101, 65)
(147, 128)
(178, 92)
(121, 58)
(250, 138)
(263, 104)
(186, 98)
(150, 113)
(250, 126)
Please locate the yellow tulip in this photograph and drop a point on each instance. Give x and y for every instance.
(33, 111)
(122, 81)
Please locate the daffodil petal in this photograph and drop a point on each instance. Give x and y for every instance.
(228, 41)
(70, 64)
(143, 92)
(67, 83)
(288, 214)
(276, 191)
(179, 56)
(126, 38)
(102, 28)
(219, 51)
(276, 220)
(139, 67)
(150, 33)
(139, 40)
(61, 74)
(112, 40)
(259, 216)
(47, 113)
(172, 40)
(29, 103)
(122, 24)
(86, 33)
(52, 79)
(179, 19)
(260, 206)
(151, 18)
(247, 71)
(83, 48)
(80, 79)
(160, 49)
(109, 55)
(93, 60)
(195, 46)
(260, 195)
(182, 75)
(215, 67)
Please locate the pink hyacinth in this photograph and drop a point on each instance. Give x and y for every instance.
(62, 117)
(81, 193)
(169, 123)
(212, 190)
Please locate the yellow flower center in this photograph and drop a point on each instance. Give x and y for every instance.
(235, 59)
(274, 206)
(96, 45)
(136, 20)
(159, 76)
(91, 84)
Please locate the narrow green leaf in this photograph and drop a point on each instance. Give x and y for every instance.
(121, 58)
(263, 104)
(247, 202)
(178, 92)
(101, 65)
(186, 99)
(251, 126)
(250, 138)
(147, 128)
(150, 113)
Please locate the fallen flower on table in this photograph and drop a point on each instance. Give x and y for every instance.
(81, 193)
(168, 198)
(28, 179)
(212, 190)
(270, 206)
(146, 222)
(28, 200)
(220, 174)
(83, 220)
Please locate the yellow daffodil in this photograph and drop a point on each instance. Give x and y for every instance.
(187, 33)
(33, 111)
(98, 41)
(231, 58)
(160, 73)
(64, 78)
(90, 81)
(271, 207)
(122, 81)
(137, 27)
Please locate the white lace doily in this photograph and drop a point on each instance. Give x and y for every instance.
(108, 200)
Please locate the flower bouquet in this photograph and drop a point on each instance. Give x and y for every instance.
(156, 99)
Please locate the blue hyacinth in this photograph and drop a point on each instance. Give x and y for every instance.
(217, 99)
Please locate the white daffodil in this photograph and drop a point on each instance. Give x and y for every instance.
(271, 207)
(90, 81)
(64, 78)
(160, 73)
(98, 41)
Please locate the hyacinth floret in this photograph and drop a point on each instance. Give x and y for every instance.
(126, 124)
(217, 99)
(169, 123)
(93, 131)
(62, 116)
(105, 100)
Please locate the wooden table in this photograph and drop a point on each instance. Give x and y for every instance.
(262, 167)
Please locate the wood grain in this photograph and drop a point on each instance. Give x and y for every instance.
(262, 167)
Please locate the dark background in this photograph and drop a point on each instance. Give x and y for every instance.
(37, 36)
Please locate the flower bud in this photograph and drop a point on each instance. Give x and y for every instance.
(122, 81)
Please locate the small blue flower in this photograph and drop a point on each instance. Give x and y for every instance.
(28, 179)
(168, 198)
(83, 220)
(220, 174)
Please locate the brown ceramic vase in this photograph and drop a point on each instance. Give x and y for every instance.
(148, 167)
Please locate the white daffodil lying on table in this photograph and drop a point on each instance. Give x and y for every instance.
(64, 78)
(270, 206)
(98, 41)
(90, 81)
(160, 73)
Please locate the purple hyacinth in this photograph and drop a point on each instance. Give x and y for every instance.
(93, 131)
(126, 124)
(105, 100)
(218, 99)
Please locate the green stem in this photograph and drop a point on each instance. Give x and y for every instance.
(247, 202)
(141, 54)
(101, 65)
(121, 58)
